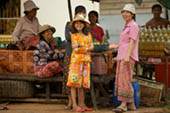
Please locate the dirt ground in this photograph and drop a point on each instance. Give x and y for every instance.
(59, 108)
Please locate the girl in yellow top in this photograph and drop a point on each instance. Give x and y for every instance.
(79, 73)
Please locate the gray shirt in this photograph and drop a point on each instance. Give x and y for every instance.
(68, 32)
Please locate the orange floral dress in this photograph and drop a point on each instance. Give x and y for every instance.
(79, 72)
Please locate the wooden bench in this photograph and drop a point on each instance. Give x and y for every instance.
(33, 78)
(102, 79)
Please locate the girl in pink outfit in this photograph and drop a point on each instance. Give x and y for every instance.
(127, 55)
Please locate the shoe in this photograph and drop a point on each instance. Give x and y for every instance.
(88, 109)
(119, 110)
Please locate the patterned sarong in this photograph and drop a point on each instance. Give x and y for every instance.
(123, 86)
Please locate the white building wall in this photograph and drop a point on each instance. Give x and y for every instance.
(111, 18)
(55, 12)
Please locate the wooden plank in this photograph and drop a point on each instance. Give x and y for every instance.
(93, 96)
(47, 91)
(30, 77)
(52, 95)
(41, 100)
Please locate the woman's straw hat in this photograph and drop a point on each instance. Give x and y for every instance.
(29, 5)
(46, 27)
(130, 8)
(79, 17)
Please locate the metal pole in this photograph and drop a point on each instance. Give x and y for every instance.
(166, 14)
(166, 88)
(69, 9)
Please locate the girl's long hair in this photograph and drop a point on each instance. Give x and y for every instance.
(84, 30)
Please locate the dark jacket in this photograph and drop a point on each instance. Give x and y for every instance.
(68, 32)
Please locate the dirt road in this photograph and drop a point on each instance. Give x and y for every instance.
(59, 108)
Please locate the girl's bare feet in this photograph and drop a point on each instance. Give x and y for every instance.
(78, 109)
(86, 108)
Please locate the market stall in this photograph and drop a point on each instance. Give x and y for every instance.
(151, 52)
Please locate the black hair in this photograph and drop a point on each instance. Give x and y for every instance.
(95, 13)
(80, 9)
(84, 30)
(157, 5)
(25, 12)
(41, 36)
(134, 17)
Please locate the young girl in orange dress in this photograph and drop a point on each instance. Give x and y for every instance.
(79, 72)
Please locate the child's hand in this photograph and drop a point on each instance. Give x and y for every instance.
(75, 45)
(111, 46)
(91, 47)
(20, 45)
(114, 59)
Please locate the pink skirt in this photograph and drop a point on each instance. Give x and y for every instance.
(123, 86)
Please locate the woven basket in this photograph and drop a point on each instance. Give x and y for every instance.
(99, 65)
(16, 89)
(151, 92)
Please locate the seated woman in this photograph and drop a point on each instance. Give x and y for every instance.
(45, 57)
(27, 27)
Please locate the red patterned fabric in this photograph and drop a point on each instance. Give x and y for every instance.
(48, 70)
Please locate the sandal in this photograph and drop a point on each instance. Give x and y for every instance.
(88, 109)
(119, 110)
(79, 110)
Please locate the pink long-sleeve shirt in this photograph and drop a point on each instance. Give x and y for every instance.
(130, 31)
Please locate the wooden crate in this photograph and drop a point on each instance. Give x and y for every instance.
(151, 92)
(15, 61)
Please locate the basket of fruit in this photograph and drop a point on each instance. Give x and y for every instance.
(99, 47)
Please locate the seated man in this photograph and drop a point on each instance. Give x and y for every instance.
(157, 19)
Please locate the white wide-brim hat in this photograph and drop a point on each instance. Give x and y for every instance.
(129, 7)
(79, 17)
(29, 5)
